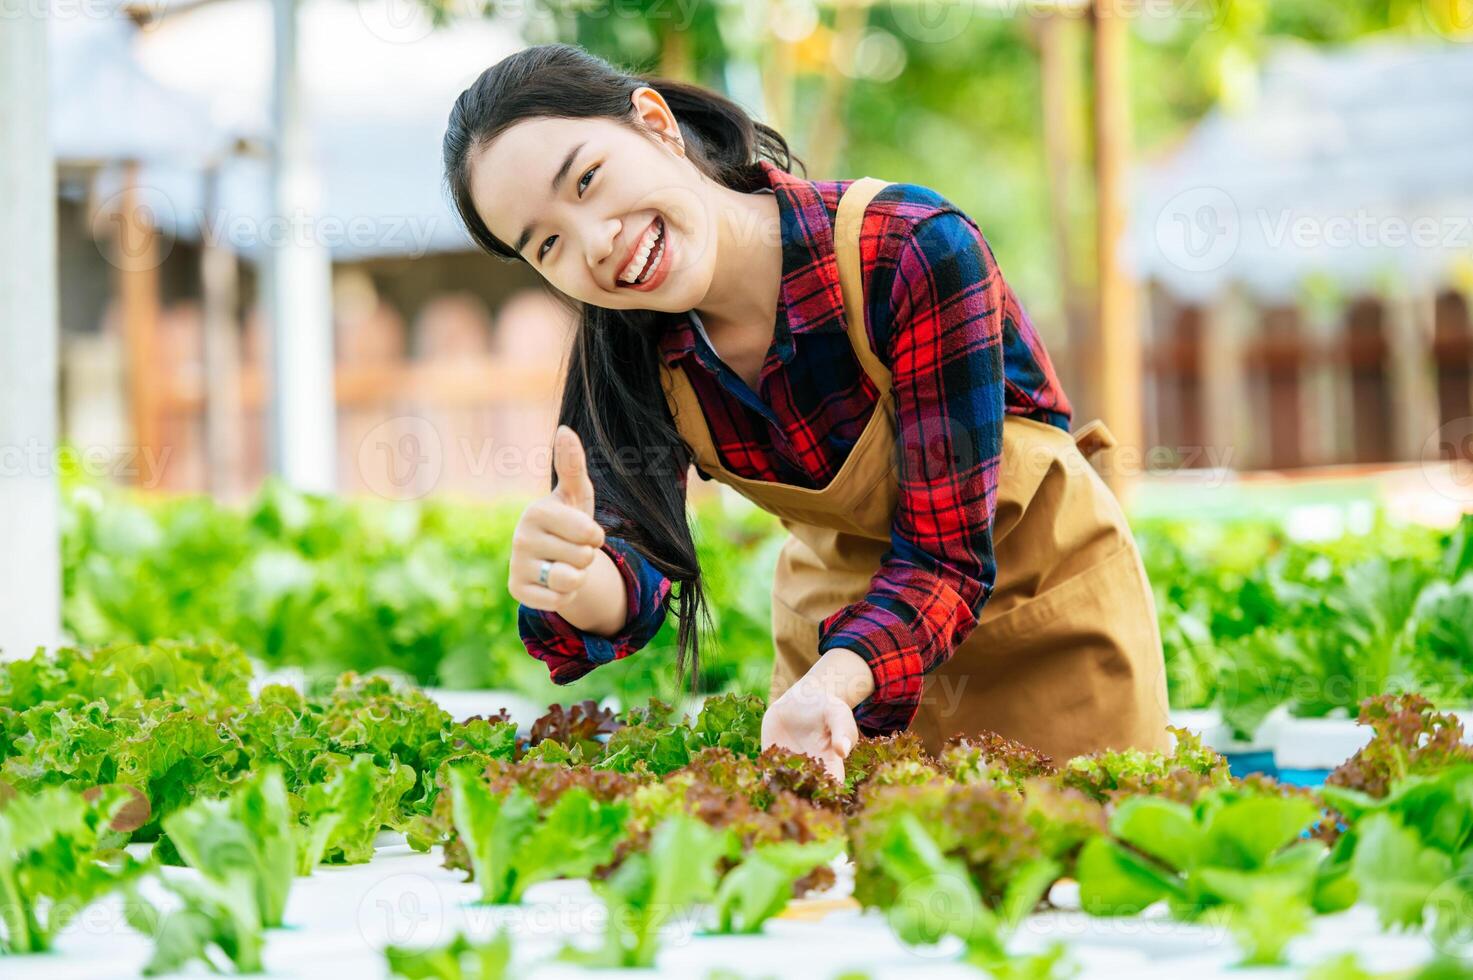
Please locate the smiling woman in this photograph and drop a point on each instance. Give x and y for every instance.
(847, 355)
(632, 197)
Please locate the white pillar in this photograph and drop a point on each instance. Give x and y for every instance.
(30, 549)
(298, 285)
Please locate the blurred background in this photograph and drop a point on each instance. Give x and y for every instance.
(286, 403)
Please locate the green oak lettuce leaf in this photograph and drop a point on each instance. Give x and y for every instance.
(217, 913)
(1397, 872)
(652, 887)
(1235, 849)
(249, 835)
(760, 887)
(512, 845)
(57, 855)
(340, 818)
(936, 897)
(730, 721)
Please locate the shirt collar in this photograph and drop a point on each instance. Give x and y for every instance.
(809, 297)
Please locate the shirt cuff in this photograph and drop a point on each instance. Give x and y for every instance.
(890, 647)
(570, 652)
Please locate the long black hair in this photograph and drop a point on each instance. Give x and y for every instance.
(612, 396)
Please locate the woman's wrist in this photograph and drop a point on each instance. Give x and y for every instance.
(841, 673)
(601, 605)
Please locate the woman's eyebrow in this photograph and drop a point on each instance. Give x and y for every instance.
(557, 180)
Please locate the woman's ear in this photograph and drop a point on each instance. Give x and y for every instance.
(654, 114)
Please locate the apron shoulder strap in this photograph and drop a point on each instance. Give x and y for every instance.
(848, 224)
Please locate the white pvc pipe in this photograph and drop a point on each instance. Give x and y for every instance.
(30, 552)
(298, 274)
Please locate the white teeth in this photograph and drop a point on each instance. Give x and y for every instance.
(636, 264)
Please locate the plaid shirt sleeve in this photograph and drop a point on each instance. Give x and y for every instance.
(570, 652)
(944, 338)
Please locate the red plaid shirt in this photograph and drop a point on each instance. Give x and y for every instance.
(962, 353)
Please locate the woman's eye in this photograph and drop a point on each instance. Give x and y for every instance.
(582, 183)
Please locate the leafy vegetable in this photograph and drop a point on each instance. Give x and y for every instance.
(1238, 850)
(512, 846)
(214, 914)
(654, 886)
(244, 848)
(1411, 738)
(459, 959)
(1410, 851)
(342, 816)
(760, 887)
(935, 898)
(56, 857)
(1180, 774)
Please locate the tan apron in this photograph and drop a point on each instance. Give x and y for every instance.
(1066, 656)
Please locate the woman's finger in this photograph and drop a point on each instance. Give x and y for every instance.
(843, 732)
(561, 577)
(546, 545)
(555, 517)
(536, 597)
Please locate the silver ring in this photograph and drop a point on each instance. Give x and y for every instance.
(543, 572)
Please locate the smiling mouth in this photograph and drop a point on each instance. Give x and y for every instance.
(652, 258)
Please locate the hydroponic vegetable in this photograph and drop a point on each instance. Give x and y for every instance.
(1240, 851)
(1411, 851)
(243, 846)
(1181, 773)
(512, 845)
(760, 887)
(1411, 738)
(57, 855)
(459, 959)
(654, 887)
(340, 818)
(217, 922)
(935, 897)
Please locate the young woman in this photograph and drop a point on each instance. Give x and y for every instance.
(846, 354)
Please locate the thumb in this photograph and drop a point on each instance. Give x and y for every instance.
(574, 487)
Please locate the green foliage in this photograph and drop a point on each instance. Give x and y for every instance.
(57, 856)
(1251, 620)
(512, 845)
(760, 887)
(1411, 851)
(212, 916)
(653, 887)
(459, 959)
(1234, 850)
(341, 817)
(1181, 773)
(243, 846)
(935, 897)
(329, 585)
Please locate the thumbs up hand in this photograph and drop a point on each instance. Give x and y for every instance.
(556, 541)
(574, 488)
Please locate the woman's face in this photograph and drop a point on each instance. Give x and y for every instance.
(615, 188)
